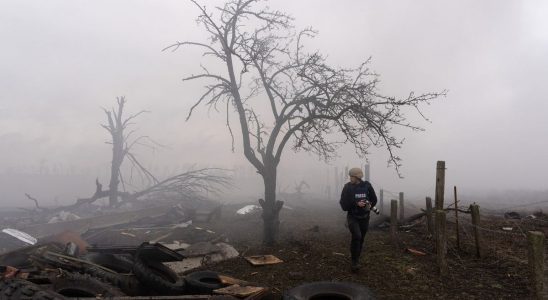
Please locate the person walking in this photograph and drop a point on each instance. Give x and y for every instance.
(357, 199)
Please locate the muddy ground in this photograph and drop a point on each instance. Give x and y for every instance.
(314, 242)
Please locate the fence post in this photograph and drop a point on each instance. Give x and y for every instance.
(430, 223)
(336, 177)
(535, 242)
(394, 219)
(457, 218)
(474, 208)
(440, 184)
(402, 216)
(441, 241)
(381, 202)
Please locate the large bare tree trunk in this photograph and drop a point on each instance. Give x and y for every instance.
(117, 159)
(271, 207)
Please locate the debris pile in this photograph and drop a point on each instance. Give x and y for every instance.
(105, 256)
(162, 252)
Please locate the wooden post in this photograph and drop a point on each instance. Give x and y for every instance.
(381, 201)
(535, 242)
(337, 186)
(474, 208)
(366, 172)
(441, 241)
(457, 218)
(402, 216)
(440, 184)
(430, 223)
(394, 219)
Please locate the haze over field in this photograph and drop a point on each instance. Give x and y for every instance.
(63, 61)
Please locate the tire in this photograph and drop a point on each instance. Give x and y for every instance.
(83, 285)
(118, 263)
(22, 289)
(127, 283)
(325, 290)
(48, 295)
(203, 282)
(157, 277)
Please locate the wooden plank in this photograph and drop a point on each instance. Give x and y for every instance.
(259, 260)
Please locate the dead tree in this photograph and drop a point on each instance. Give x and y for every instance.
(122, 143)
(187, 185)
(313, 105)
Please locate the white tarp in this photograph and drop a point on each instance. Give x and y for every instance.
(247, 209)
(25, 237)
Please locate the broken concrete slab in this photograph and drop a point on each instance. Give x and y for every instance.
(201, 249)
(186, 265)
(226, 252)
(176, 245)
(223, 252)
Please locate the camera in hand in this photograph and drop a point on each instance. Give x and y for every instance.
(373, 208)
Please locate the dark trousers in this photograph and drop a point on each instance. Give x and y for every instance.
(358, 229)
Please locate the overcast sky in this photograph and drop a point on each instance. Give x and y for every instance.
(61, 61)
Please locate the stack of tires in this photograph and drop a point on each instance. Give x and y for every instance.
(139, 275)
(108, 275)
(111, 275)
(22, 289)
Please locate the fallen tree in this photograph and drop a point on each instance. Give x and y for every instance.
(187, 185)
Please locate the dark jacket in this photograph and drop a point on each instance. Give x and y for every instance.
(353, 193)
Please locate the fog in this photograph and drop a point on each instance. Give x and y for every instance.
(63, 61)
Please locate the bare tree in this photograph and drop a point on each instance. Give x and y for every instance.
(122, 142)
(189, 185)
(310, 103)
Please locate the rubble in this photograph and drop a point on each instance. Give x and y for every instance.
(147, 253)
(202, 254)
(85, 262)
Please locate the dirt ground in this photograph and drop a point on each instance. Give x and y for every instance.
(314, 243)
